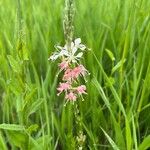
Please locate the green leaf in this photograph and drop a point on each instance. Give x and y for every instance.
(134, 133)
(2, 84)
(111, 81)
(113, 90)
(119, 136)
(18, 139)
(41, 143)
(145, 144)
(31, 95)
(113, 144)
(32, 107)
(32, 128)
(110, 54)
(15, 86)
(118, 65)
(13, 127)
(128, 135)
(2, 143)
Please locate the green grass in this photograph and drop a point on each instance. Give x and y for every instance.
(116, 111)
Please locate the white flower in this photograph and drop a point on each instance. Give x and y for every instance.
(61, 51)
(67, 54)
(77, 45)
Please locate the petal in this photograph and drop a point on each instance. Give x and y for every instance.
(79, 55)
(73, 60)
(77, 41)
(64, 53)
(72, 45)
(74, 50)
(59, 47)
(54, 56)
(65, 47)
(82, 47)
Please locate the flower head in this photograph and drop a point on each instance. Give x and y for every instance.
(63, 87)
(72, 69)
(78, 71)
(82, 69)
(63, 65)
(81, 89)
(71, 56)
(68, 75)
(71, 96)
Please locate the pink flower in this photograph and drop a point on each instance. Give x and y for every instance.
(75, 73)
(72, 74)
(82, 69)
(79, 70)
(63, 87)
(71, 96)
(68, 75)
(81, 89)
(63, 65)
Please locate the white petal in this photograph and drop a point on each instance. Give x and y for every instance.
(79, 55)
(72, 45)
(64, 52)
(59, 47)
(74, 61)
(74, 50)
(65, 47)
(54, 56)
(77, 41)
(82, 47)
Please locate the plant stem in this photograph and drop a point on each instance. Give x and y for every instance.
(68, 22)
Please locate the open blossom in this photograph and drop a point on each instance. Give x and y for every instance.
(81, 89)
(72, 56)
(71, 96)
(83, 71)
(79, 70)
(63, 87)
(63, 65)
(68, 75)
(77, 45)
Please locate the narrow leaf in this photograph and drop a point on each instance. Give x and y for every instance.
(13, 127)
(145, 144)
(113, 144)
(110, 54)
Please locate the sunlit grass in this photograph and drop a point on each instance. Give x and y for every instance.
(115, 113)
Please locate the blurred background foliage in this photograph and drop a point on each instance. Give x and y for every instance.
(115, 113)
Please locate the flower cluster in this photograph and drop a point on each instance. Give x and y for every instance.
(71, 69)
